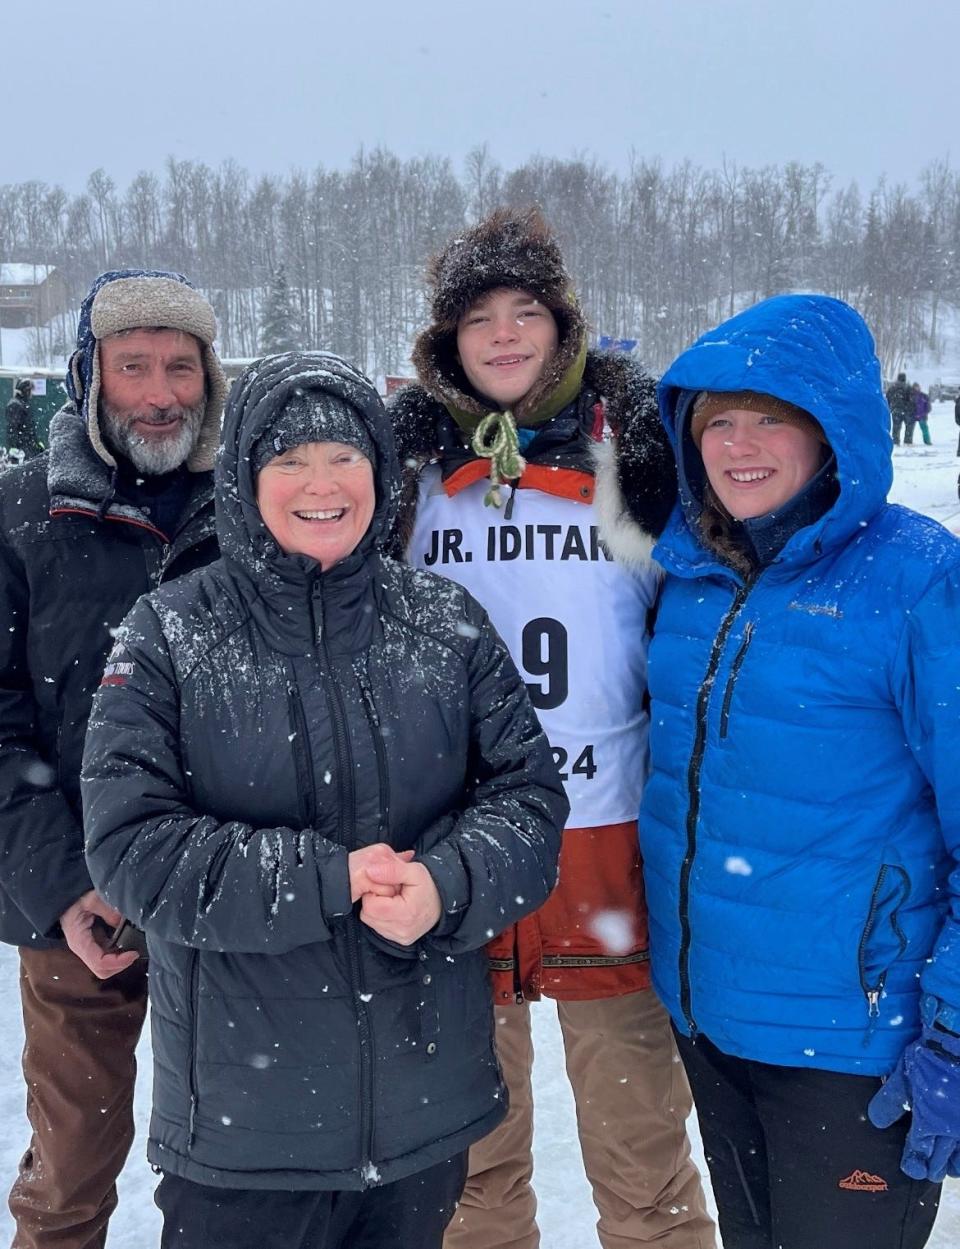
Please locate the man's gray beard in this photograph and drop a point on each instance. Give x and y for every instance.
(152, 456)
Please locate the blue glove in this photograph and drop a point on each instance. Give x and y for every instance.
(925, 1081)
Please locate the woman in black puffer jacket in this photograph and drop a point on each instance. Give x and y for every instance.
(314, 777)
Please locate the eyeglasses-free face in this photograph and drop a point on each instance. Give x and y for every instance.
(756, 462)
(317, 499)
(505, 341)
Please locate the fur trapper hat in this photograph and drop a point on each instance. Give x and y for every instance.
(510, 249)
(130, 299)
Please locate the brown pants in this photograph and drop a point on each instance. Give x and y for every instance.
(79, 1068)
(632, 1102)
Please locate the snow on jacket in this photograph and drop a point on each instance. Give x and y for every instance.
(74, 558)
(590, 939)
(259, 721)
(801, 827)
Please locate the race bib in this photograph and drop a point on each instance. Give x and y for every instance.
(574, 621)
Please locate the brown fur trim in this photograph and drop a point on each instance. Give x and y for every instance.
(508, 249)
(414, 414)
(634, 498)
(435, 359)
(645, 468)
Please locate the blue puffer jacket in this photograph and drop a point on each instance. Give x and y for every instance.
(801, 828)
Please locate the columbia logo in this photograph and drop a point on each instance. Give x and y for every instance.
(818, 609)
(864, 1182)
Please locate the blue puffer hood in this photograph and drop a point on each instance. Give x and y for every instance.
(812, 351)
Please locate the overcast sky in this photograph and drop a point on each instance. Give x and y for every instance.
(864, 86)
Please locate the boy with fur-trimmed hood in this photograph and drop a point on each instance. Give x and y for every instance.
(520, 448)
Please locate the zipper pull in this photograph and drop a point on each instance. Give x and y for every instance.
(508, 510)
(873, 1003)
(316, 613)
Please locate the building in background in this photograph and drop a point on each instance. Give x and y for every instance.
(30, 294)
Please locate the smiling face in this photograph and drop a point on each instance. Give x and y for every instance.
(152, 398)
(505, 341)
(317, 499)
(756, 462)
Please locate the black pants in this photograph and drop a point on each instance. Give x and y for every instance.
(408, 1214)
(795, 1162)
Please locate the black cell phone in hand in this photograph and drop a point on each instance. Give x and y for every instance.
(127, 936)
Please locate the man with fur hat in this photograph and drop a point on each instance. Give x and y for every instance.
(121, 501)
(519, 444)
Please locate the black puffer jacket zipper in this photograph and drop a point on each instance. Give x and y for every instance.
(383, 826)
(373, 718)
(347, 837)
(194, 1044)
(306, 787)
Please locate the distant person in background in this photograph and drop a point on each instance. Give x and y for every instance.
(956, 417)
(22, 441)
(921, 410)
(900, 402)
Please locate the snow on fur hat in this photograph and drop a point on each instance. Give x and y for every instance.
(511, 249)
(130, 299)
(709, 403)
(312, 416)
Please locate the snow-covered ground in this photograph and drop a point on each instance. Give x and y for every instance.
(16, 348)
(926, 479)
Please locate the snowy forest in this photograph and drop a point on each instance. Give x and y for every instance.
(659, 253)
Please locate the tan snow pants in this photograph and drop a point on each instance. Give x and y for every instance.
(632, 1102)
(79, 1068)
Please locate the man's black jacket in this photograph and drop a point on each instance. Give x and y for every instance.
(73, 560)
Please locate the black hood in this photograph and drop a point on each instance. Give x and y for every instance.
(256, 400)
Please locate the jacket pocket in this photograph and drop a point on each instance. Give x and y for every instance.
(882, 940)
(737, 664)
(194, 1041)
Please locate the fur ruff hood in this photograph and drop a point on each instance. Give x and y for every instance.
(515, 250)
(634, 470)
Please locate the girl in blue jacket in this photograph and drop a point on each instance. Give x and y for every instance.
(801, 828)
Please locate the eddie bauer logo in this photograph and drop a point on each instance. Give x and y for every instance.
(864, 1182)
(118, 670)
